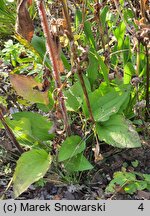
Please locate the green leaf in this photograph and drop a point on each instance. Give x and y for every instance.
(141, 185)
(130, 188)
(39, 125)
(103, 15)
(72, 146)
(135, 163)
(31, 166)
(147, 177)
(118, 132)
(75, 96)
(119, 34)
(127, 54)
(77, 163)
(72, 103)
(78, 18)
(92, 69)
(104, 106)
(124, 179)
(104, 70)
(39, 45)
(22, 130)
(128, 72)
(89, 34)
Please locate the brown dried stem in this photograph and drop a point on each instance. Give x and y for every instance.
(75, 57)
(52, 50)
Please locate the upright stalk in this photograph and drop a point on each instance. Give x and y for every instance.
(75, 57)
(99, 22)
(142, 8)
(147, 116)
(138, 59)
(52, 50)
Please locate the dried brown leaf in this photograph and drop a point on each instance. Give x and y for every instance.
(29, 89)
(24, 23)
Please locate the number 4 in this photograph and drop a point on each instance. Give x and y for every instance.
(141, 207)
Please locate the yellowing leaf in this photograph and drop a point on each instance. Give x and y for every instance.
(29, 89)
(31, 166)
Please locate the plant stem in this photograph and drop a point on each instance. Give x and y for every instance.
(99, 22)
(75, 57)
(147, 85)
(138, 59)
(142, 8)
(10, 134)
(52, 50)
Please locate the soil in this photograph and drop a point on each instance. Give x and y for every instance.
(89, 185)
(89, 188)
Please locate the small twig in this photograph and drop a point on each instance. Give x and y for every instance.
(8, 186)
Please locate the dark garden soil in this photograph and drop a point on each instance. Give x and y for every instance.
(89, 185)
(92, 183)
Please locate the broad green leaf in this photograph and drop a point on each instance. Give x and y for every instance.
(72, 146)
(104, 70)
(105, 106)
(129, 15)
(29, 89)
(75, 96)
(22, 130)
(103, 15)
(128, 72)
(78, 18)
(118, 132)
(119, 34)
(127, 54)
(89, 34)
(104, 89)
(72, 103)
(39, 125)
(31, 166)
(77, 163)
(39, 45)
(92, 70)
(127, 89)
